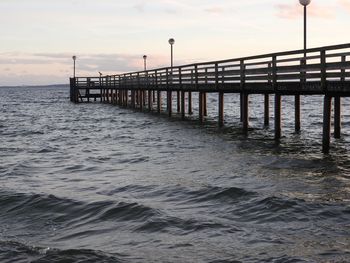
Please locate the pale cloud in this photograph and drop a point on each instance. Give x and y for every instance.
(293, 11)
(345, 4)
(214, 10)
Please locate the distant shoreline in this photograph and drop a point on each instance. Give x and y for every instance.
(38, 86)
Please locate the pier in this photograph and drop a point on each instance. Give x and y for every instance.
(316, 71)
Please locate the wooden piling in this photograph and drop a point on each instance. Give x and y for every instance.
(183, 106)
(266, 110)
(245, 113)
(141, 100)
(159, 101)
(150, 99)
(178, 101)
(205, 111)
(327, 108)
(170, 102)
(190, 112)
(126, 99)
(337, 117)
(278, 111)
(297, 113)
(241, 106)
(200, 106)
(221, 109)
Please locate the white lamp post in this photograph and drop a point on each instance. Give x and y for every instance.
(145, 62)
(305, 3)
(172, 42)
(74, 59)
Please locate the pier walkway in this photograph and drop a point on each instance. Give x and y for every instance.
(315, 71)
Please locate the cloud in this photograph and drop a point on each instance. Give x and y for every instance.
(293, 11)
(214, 10)
(345, 4)
(140, 7)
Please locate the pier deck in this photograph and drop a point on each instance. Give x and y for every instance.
(315, 71)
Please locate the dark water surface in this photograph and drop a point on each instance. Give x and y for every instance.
(97, 183)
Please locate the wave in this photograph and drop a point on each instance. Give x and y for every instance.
(67, 211)
(11, 251)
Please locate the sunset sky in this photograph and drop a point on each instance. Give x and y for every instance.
(39, 37)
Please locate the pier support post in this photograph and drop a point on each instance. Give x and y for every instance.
(190, 103)
(178, 101)
(221, 109)
(241, 106)
(245, 113)
(150, 99)
(200, 108)
(327, 108)
(205, 112)
(337, 117)
(297, 113)
(141, 99)
(183, 106)
(170, 102)
(133, 99)
(159, 101)
(266, 110)
(125, 98)
(278, 111)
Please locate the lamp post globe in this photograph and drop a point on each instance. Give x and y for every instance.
(305, 2)
(171, 41)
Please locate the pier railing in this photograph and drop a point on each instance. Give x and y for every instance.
(278, 72)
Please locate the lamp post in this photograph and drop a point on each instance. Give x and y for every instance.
(171, 42)
(145, 62)
(74, 59)
(305, 3)
(297, 103)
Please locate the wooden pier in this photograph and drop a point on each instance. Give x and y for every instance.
(316, 71)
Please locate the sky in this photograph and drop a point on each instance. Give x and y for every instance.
(39, 37)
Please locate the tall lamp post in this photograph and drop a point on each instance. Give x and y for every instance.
(305, 3)
(172, 42)
(145, 62)
(74, 59)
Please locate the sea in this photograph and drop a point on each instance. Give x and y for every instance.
(95, 182)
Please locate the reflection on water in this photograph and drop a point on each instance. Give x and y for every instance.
(97, 183)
